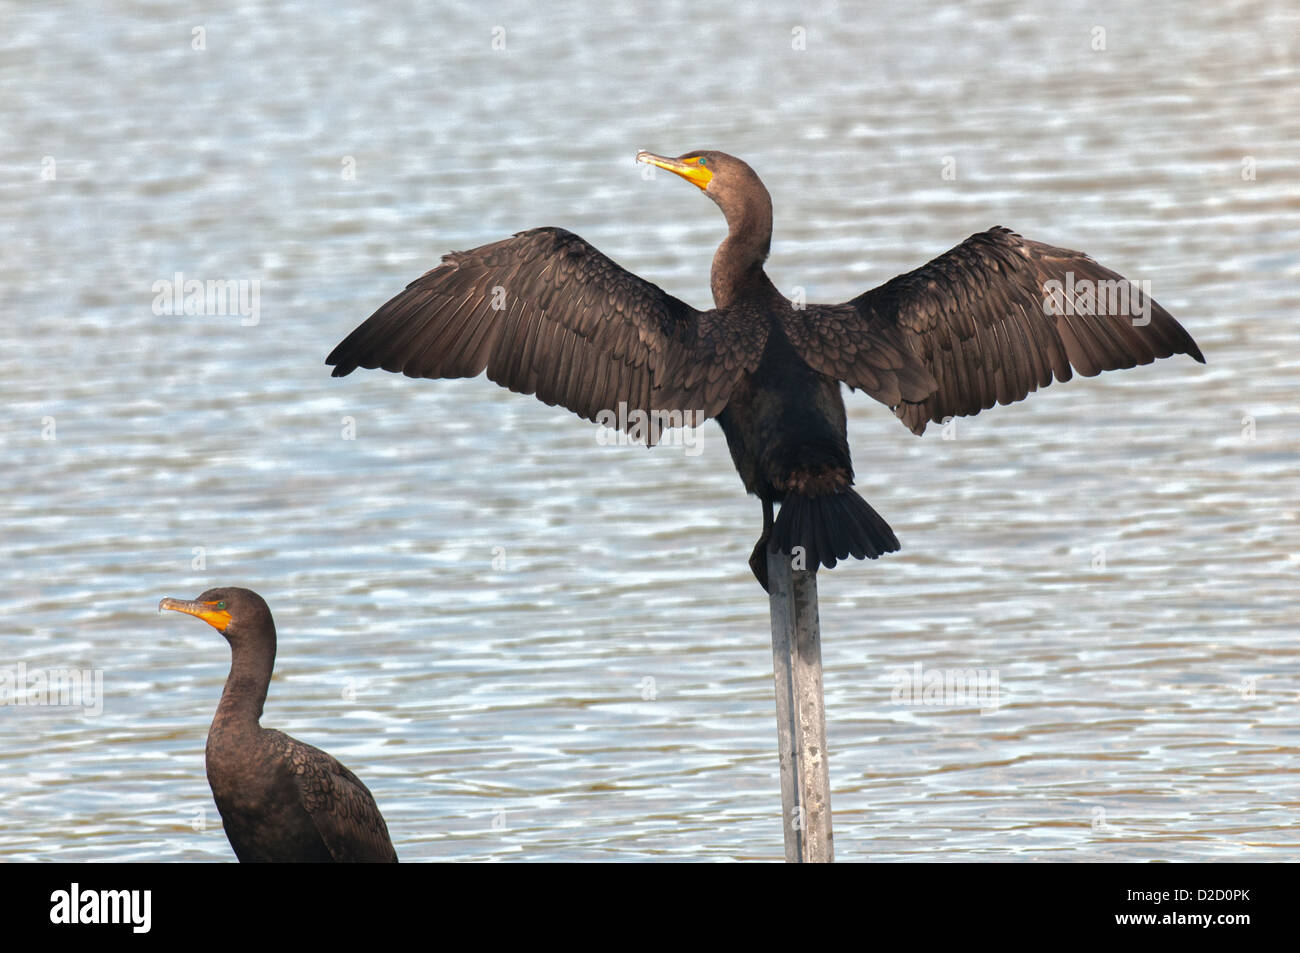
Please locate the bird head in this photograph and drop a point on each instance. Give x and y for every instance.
(713, 172)
(232, 612)
(729, 181)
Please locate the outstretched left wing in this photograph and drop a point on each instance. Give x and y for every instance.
(992, 320)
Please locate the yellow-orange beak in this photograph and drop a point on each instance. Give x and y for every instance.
(690, 168)
(213, 613)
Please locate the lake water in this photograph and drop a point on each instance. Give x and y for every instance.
(535, 647)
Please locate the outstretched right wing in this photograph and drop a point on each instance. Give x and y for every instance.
(545, 313)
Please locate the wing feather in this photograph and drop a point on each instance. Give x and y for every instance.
(340, 805)
(988, 322)
(545, 313)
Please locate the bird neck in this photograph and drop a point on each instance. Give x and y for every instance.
(738, 263)
(246, 685)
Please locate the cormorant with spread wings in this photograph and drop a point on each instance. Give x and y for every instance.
(987, 322)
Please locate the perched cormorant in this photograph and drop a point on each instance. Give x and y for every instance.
(987, 322)
(281, 801)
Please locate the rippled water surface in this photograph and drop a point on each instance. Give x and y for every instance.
(532, 646)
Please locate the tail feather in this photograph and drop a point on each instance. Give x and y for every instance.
(831, 527)
(840, 537)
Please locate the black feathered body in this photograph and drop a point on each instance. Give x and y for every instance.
(787, 431)
(785, 425)
(258, 798)
(283, 801)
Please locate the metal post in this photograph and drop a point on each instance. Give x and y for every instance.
(800, 712)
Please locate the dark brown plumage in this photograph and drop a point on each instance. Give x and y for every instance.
(545, 313)
(281, 801)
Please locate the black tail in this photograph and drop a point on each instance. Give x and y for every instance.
(830, 528)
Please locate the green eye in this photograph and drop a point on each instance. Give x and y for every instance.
(221, 605)
(702, 160)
